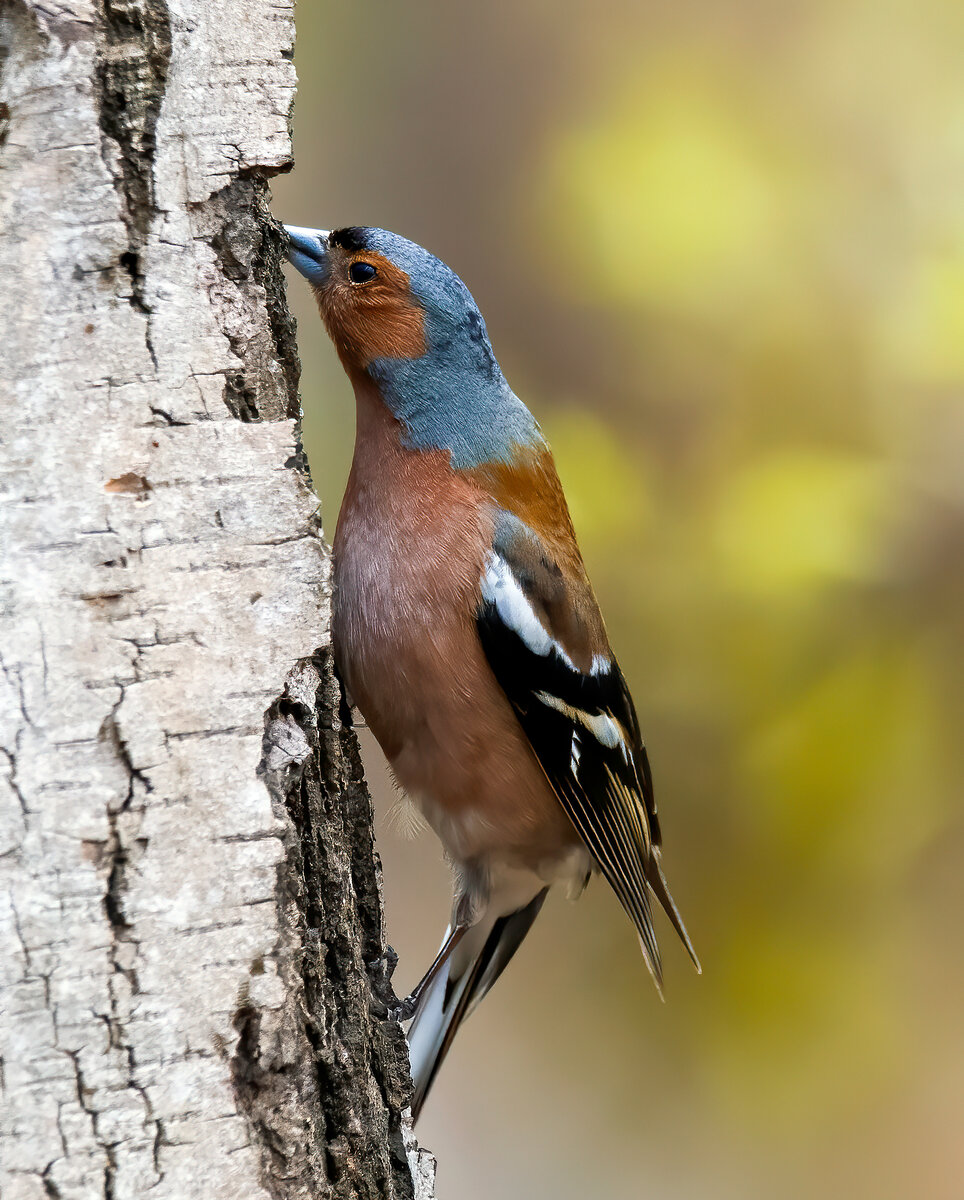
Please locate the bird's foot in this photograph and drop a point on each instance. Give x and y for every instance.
(405, 1009)
(380, 971)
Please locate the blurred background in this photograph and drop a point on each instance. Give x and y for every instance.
(720, 250)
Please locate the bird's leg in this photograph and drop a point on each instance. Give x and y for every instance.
(406, 1009)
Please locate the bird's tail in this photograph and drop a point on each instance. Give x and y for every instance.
(657, 882)
(472, 968)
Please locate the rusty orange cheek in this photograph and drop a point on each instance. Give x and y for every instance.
(388, 329)
(381, 320)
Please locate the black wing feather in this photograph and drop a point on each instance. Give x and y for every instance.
(607, 791)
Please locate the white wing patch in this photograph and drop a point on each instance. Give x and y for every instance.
(501, 588)
(605, 730)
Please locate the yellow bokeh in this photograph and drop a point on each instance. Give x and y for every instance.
(926, 322)
(798, 520)
(678, 192)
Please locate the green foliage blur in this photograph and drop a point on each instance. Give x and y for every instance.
(720, 251)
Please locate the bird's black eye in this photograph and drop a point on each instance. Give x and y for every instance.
(361, 272)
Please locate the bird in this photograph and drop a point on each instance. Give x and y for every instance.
(465, 629)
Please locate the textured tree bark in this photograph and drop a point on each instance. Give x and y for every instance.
(192, 962)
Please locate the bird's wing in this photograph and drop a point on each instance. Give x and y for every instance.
(544, 639)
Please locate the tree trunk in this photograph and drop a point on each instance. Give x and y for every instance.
(192, 962)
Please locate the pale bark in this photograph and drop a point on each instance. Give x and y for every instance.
(192, 963)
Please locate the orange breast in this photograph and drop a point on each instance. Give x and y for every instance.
(409, 550)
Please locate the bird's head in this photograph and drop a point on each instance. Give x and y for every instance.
(401, 318)
(364, 290)
(382, 296)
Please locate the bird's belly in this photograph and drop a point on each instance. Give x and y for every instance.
(407, 648)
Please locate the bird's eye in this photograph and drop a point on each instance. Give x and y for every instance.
(361, 272)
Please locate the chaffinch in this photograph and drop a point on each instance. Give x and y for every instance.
(465, 628)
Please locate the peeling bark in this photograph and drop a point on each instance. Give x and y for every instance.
(193, 975)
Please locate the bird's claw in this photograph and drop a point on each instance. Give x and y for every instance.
(404, 1010)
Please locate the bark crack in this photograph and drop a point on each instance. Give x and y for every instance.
(84, 1094)
(132, 78)
(124, 847)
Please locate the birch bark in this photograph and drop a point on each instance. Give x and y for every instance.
(192, 965)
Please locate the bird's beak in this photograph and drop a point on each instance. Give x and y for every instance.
(308, 253)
